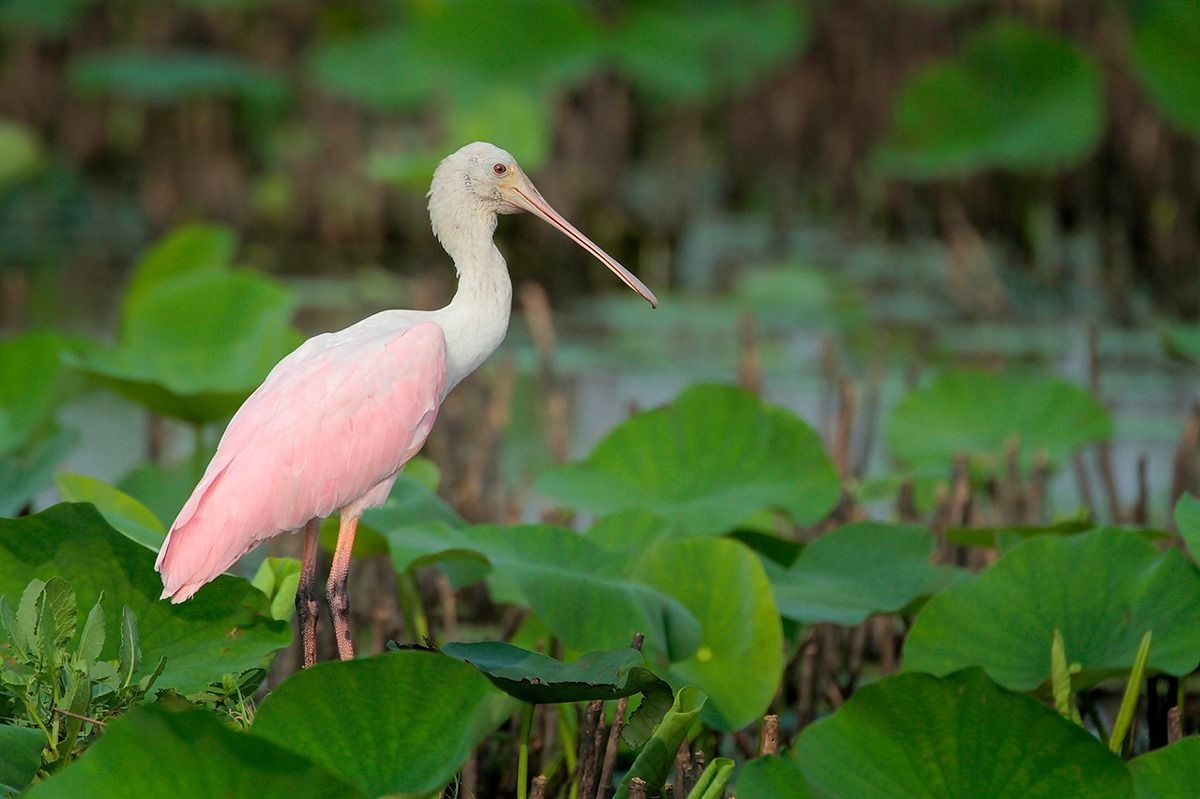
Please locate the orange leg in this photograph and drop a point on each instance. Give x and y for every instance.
(335, 588)
(307, 608)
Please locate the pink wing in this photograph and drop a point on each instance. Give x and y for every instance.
(329, 428)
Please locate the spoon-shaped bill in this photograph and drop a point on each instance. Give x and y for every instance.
(528, 198)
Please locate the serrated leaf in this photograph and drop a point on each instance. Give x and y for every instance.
(147, 682)
(9, 620)
(27, 615)
(131, 650)
(224, 628)
(77, 700)
(57, 616)
(91, 640)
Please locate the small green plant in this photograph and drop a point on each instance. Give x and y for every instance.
(56, 681)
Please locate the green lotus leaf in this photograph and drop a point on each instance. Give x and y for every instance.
(980, 415)
(1102, 590)
(346, 717)
(710, 459)
(914, 736)
(1016, 97)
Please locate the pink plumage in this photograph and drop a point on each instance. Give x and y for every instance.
(328, 430)
(336, 420)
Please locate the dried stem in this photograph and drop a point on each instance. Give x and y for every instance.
(1185, 468)
(614, 735)
(768, 742)
(590, 735)
(1174, 725)
(1103, 449)
(68, 713)
(749, 362)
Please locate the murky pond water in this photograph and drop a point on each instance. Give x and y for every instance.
(886, 314)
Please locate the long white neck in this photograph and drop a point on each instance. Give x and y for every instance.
(476, 320)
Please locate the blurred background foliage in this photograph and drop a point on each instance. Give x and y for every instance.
(829, 192)
(949, 249)
(312, 127)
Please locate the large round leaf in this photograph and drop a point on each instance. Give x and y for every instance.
(1166, 55)
(740, 657)
(1016, 97)
(172, 77)
(225, 629)
(31, 384)
(980, 414)
(362, 68)
(186, 249)
(914, 736)
(465, 47)
(403, 722)
(516, 116)
(584, 594)
(123, 512)
(1187, 521)
(198, 344)
(694, 52)
(707, 461)
(151, 753)
(543, 43)
(856, 570)
(1181, 340)
(23, 474)
(1172, 772)
(20, 756)
(771, 777)
(540, 679)
(1103, 590)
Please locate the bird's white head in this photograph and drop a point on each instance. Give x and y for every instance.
(475, 183)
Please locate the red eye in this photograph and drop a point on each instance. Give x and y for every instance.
(499, 169)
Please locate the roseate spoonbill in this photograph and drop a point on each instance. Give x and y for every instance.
(336, 419)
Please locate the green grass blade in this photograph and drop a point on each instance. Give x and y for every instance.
(1132, 692)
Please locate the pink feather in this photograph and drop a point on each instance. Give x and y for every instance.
(326, 431)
